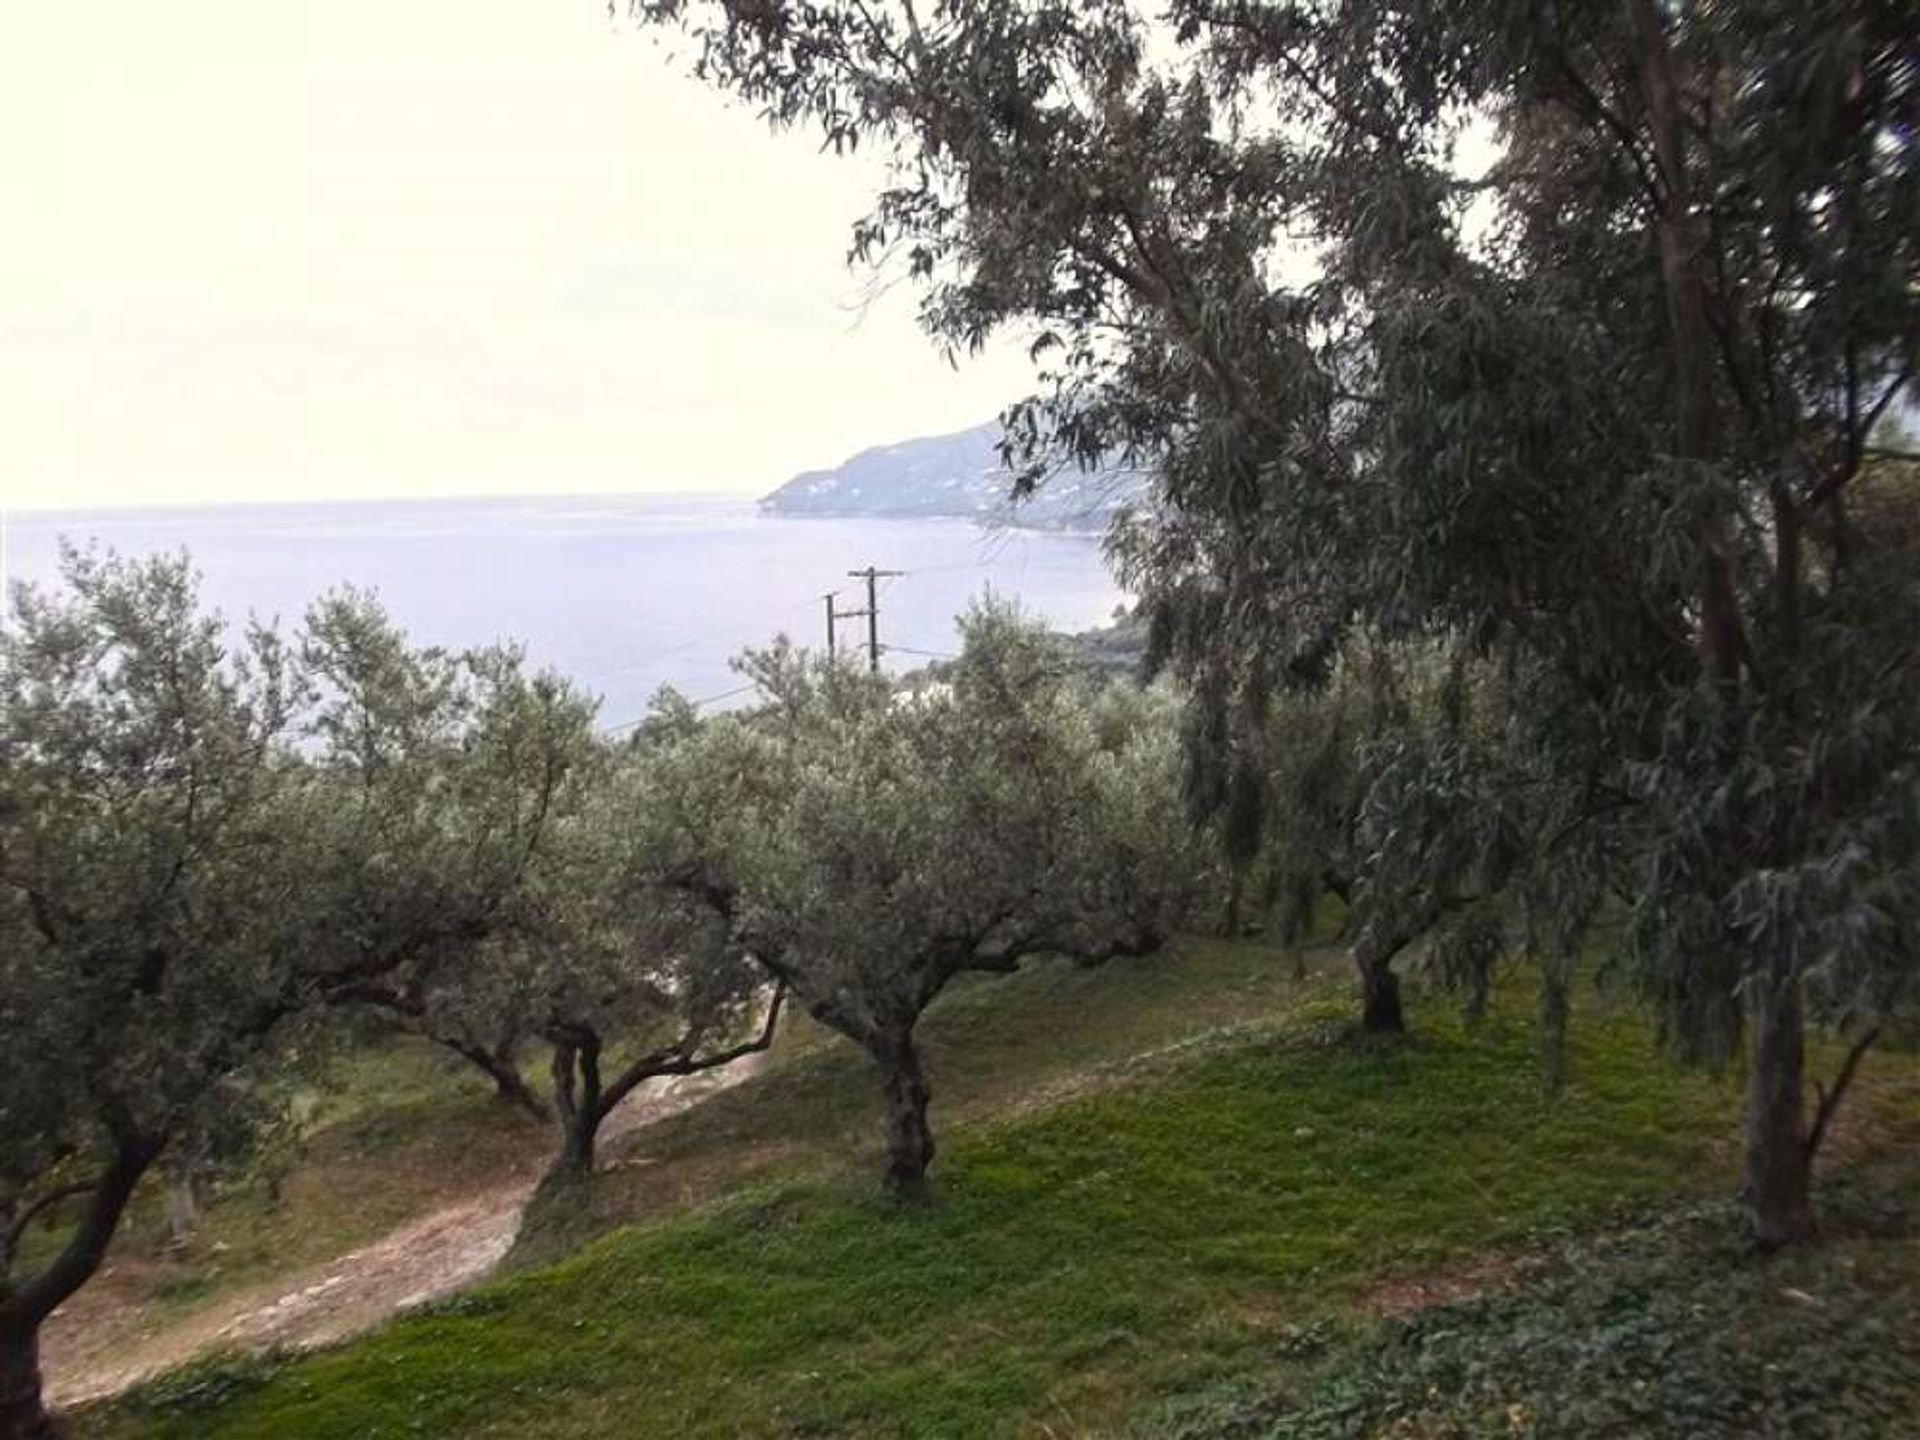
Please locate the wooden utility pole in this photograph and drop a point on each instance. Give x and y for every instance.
(831, 616)
(872, 576)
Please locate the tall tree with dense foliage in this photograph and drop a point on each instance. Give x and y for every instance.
(868, 848)
(149, 819)
(1560, 332)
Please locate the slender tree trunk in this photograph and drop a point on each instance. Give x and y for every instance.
(511, 1088)
(579, 1144)
(1779, 1160)
(910, 1146)
(23, 1414)
(1678, 234)
(509, 1085)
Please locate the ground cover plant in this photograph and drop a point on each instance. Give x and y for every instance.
(1668, 1326)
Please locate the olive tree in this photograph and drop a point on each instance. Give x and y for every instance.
(674, 999)
(623, 980)
(150, 820)
(474, 852)
(1592, 392)
(451, 777)
(867, 848)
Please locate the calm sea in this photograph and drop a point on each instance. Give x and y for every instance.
(622, 593)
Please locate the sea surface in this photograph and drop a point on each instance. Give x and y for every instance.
(623, 594)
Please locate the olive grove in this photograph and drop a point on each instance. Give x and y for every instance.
(479, 838)
(215, 842)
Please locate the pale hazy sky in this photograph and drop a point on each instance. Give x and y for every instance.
(279, 249)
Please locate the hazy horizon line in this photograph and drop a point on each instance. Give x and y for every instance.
(22, 510)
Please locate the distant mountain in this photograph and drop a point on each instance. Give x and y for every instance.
(957, 475)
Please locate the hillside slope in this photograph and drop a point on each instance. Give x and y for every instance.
(1178, 1175)
(954, 476)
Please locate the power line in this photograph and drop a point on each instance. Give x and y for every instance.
(873, 576)
(699, 704)
(706, 635)
(944, 569)
(725, 694)
(927, 654)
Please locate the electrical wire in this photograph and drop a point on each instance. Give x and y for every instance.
(699, 704)
(926, 654)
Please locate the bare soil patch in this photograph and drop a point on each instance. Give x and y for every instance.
(113, 1335)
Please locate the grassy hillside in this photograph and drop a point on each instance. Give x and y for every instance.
(405, 1129)
(1243, 1198)
(993, 1047)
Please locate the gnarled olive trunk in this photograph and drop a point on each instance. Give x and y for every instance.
(1380, 941)
(581, 1105)
(579, 1145)
(1779, 1159)
(583, 1098)
(23, 1414)
(511, 1088)
(25, 1307)
(910, 1146)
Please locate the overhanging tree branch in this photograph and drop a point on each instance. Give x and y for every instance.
(34, 1210)
(33, 1301)
(680, 1061)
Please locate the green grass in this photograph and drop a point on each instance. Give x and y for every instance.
(1170, 1178)
(1085, 1258)
(991, 1046)
(400, 1127)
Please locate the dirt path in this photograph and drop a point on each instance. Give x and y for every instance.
(426, 1259)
